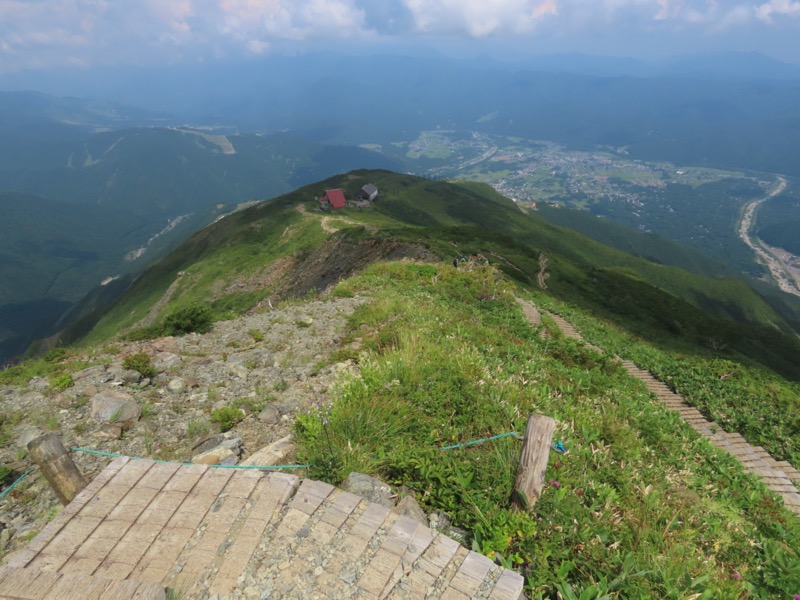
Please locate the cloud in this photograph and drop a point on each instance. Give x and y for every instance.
(51, 32)
(479, 18)
(106, 31)
(777, 7)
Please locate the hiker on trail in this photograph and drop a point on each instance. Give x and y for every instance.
(455, 262)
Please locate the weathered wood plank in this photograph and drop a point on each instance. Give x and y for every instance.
(533, 461)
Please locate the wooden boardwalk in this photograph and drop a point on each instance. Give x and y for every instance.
(779, 476)
(142, 526)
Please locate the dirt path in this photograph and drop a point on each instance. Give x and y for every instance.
(779, 476)
(778, 261)
(326, 221)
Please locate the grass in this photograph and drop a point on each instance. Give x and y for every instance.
(751, 400)
(640, 507)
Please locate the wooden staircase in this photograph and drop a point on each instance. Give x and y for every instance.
(780, 476)
(143, 526)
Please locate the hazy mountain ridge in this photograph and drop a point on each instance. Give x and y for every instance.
(452, 219)
(734, 110)
(81, 206)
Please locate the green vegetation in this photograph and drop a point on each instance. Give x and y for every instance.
(227, 417)
(755, 402)
(140, 362)
(641, 506)
(62, 382)
(50, 365)
(192, 318)
(420, 217)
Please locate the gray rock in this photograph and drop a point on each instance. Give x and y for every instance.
(166, 360)
(441, 522)
(27, 433)
(176, 386)
(209, 442)
(109, 431)
(131, 376)
(274, 454)
(270, 415)
(216, 456)
(39, 384)
(94, 373)
(369, 488)
(409, 507)
(165, 344)
(226, 452)
(115, 407)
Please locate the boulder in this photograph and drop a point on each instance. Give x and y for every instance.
(274, 454)
(95, 373)
(176, 386)
(166, 360)
(409, 507)
(109, 431)
(369, 488)
(226, 452)
(27, 433)
(270, 415)
(165, 344)
(114, 406)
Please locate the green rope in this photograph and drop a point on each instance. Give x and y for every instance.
(20, 478)
(173, 462)
(482, 440)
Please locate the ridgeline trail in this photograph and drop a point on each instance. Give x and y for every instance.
(241, 534)
(779, 476)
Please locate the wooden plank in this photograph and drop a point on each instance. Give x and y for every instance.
(533, 461)
(471, 573)
(56, 465)
(28, 584)
(310, 495)
(508, 587)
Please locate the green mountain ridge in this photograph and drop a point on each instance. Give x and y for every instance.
(78, 199)
(446, 219)
(640, 506)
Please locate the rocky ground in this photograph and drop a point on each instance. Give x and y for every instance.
(269, 366)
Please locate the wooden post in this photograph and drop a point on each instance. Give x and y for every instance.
(61, 473)
(533, 462)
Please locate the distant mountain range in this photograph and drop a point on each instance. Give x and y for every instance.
(245, 258)
(82, 202)
(734, 110)
(147, 177)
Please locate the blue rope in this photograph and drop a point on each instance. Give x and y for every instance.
(20, 478)
(482, 440)
(173, 462)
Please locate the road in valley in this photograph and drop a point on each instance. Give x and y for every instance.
(778, 260)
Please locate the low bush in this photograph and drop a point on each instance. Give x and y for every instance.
(227, 417)
(140, 362)
(193, 318)
(61, 382)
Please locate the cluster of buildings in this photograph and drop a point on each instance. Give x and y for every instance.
(335, 199)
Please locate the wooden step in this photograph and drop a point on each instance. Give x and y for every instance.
(143, 526)
(33, 584)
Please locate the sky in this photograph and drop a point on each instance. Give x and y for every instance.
(46, 34)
